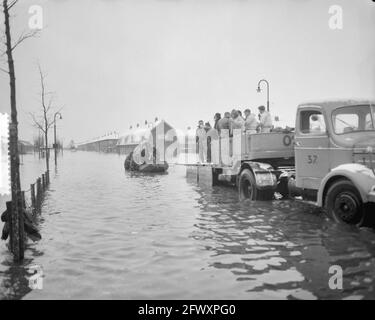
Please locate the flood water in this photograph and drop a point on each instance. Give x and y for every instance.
(108, 234)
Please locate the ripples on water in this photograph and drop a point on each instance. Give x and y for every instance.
(111, 235)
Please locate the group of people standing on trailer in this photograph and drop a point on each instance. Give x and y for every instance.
(250, 123)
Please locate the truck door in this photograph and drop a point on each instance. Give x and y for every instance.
(311, 148)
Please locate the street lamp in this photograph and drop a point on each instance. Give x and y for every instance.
(268, 92)
(54, 130)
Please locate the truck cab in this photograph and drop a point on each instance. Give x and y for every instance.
(335, 157)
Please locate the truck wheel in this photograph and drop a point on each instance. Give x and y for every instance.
(343, 203)
(247, 185)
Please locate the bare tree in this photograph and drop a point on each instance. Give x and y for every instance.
(46, 120)
(16, 217)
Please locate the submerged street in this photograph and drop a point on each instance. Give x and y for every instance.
(111, 234)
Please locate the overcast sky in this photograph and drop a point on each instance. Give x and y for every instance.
(113, 64)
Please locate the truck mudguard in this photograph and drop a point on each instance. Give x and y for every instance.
(361, 176)
(256, 166)
(260, 169)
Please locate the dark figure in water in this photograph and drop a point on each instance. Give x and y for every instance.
(130, 164)
(128, 161)
(5, 218)
(29, 227)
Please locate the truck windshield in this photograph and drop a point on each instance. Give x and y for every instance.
(353, 119)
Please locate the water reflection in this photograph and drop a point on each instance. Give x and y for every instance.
(111, 234)
(283, 249)
(15, 277)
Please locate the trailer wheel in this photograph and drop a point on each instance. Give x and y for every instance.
(247, 185)
(343, 203)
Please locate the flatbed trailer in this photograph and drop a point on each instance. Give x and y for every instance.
(267, 155)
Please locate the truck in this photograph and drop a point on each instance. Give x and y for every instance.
(328, 159)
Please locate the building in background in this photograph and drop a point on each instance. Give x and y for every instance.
(25, 147)
(160, 130)
(106, 143)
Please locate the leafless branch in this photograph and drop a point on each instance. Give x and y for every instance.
(43, 93)
(12, 4)
(47, 107)
(2, 37)
(59, 110)
(36, 123)
(50, 124)
(25, 36)
(4, 70)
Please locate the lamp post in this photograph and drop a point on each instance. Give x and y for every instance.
(54, 130)
(268, 92)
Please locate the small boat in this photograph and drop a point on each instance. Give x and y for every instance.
(153, 168)
(149, 160)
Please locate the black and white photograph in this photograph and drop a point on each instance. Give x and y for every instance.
(180, 150)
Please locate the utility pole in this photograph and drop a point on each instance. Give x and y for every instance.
(54, 131)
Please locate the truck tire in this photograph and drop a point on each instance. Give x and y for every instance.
(343, 203)
(248, 190)
(247, 186)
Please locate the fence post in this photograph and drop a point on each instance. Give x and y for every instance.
(39, 193)
(47, 177)
(32, 191)
(43, 182)
(23, 199)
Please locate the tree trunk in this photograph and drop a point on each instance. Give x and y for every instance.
(16, 239)
(46, 147)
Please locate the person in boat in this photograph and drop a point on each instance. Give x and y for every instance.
(128, 160)
(156, 156)
(144, 153)
(145, 157)
(130, 164)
